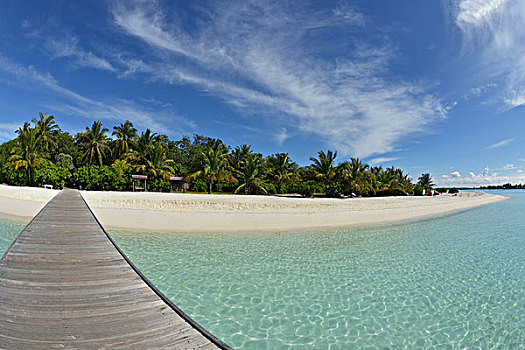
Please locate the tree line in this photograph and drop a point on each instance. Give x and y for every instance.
(42, 153)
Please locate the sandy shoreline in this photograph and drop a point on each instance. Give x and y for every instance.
(165, 212)
(23, 203)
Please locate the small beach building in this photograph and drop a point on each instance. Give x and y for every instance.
(139, 186)
(178, 184)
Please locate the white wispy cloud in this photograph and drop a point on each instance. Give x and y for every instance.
(257, 57)
(501, 143)
(478, 13)
(70, 48)
(479, 90)
(163, 120)
(454, 175)
(493, 29)
(380, 160)
(280, 135)
(7, 131)
(349, 14)
(483, 178)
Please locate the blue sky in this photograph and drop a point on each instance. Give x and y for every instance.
(435, 86)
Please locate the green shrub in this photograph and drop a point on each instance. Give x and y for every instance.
(102, 178)
(224, 186)
(158, 184)
(304, 188)
(418, 190)
(64, 160)
(14, 177)
(270, 188)
(51, 174)
(453, 190)
(198, 186)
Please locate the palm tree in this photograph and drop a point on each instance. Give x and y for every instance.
(120, 165)
(46, 129)
(406, 183)
(239, 154)
(324, 166)
(26, 153)
(281, 169)
(142, 143)
(356, 173)
(250, 174)
(94, 143)
(125, 133)
(156, 162)
(425, 180)
(215, 166)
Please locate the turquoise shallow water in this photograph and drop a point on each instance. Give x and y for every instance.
(8, 232)
(456, 280)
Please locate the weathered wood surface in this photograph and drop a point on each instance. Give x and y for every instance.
(64, 284)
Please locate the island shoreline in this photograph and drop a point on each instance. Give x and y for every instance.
(194, 213)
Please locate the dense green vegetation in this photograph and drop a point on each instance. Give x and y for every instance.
(42, 153)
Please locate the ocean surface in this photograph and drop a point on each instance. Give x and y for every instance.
(8, 232)
(456, 280)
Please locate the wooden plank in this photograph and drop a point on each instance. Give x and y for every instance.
(65, 284)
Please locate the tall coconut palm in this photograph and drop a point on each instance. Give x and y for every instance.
(125, 133)
(156, 162)
(239, 154)
(215, 166)
(142, 143)
(46, 129)
(425, 180)
(94, 143)
(405, 182)
(377, 182)
(356, 173)
(26, 153)
(324, 166)
(281, 169)
(251, 175)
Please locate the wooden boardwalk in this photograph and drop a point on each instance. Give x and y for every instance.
(65, 284)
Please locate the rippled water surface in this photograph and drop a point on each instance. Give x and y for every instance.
(456, 280)
(8, 232)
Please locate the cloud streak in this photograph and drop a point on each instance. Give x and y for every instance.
(493, 31)
(162, 120)
(501, 143)
(266, 59)
(380, 160)
(68, 47)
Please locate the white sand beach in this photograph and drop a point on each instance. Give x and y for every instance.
(171, 212)
(22, 203)
(164, 212)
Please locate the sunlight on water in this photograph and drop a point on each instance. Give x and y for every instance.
(455, 280)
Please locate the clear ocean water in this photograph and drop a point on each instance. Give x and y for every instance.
(8, 232)
(456, 281)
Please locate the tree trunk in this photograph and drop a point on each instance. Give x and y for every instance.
(210, 187)
(29, 176)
